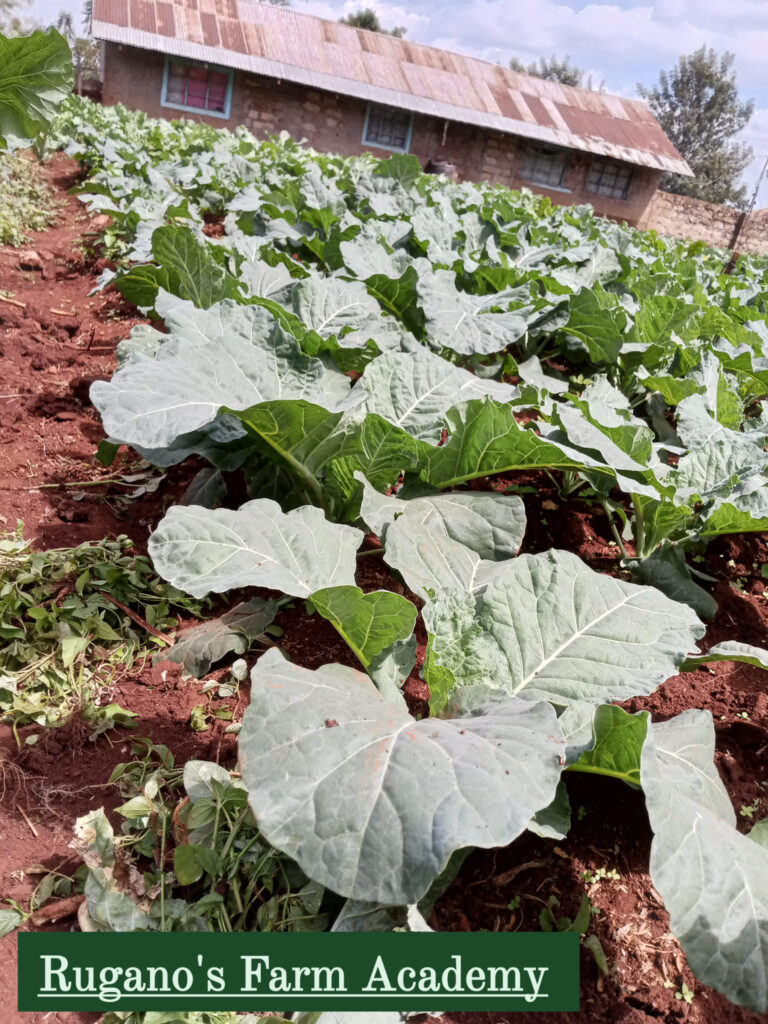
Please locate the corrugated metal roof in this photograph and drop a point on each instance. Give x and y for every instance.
(285, 44)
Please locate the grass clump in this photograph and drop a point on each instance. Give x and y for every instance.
(27, 202)
(68, 618)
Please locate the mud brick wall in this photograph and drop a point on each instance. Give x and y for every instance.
(685, 217)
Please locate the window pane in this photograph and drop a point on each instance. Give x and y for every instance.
(544, 166)
(199, 88)
(217, 91)
(177, 83)
(387, 126)
(609, 179)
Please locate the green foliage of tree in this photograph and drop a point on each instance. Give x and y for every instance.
(697, 104)
(86, 57)
(368, 19)
(553, 69)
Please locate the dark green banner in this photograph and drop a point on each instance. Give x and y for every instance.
(176, 971)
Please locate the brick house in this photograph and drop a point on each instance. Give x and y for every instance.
(347, 90)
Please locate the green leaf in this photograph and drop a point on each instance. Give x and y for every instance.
(232, 633)
(484, 439)
(666, 569)
(550, 628)
(208, 488)
(9, 921)
(750, 515)
(673, 389)
(370, 623)
(137, 807)
(35, 76)
(382, 801)
(198, 719)
(597, 321)
(186, 865)
(401, 167)
(202, 550)
(711, 878)
(399, 297)
(344, 310)
(202, 779)
(71, 646)
(188, 270)
(730, 650)
(376, 449)
(449, 540)
(463, 322)
(414, 390)
(554, 821)
(618, 745)
(235, 358)
(303, 439)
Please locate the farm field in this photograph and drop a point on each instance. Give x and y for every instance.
(463, 472)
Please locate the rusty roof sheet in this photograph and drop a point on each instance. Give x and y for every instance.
(285, 44)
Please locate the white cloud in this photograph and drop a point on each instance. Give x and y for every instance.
(47, 11)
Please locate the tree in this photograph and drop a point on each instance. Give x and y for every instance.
(86, 57)
(368, 18)
(553, 69)
(698, 106)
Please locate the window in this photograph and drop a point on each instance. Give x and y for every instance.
(388, 128)
(188, 86)
(544, 165)
(606, 178)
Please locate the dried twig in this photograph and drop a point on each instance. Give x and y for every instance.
(56, 911)
(506, 876)
(138, 619)
(13, 302)
(32, 828)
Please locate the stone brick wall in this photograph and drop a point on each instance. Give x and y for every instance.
(502, 162)
(684, 217)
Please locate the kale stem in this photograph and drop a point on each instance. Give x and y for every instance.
(639, 527)
(235, 828)
(162, 873)
(370, 552)
(616, 534)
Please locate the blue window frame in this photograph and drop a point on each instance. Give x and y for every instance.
(388, 128)
(201, 88)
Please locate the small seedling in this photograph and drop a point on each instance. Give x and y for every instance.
(580, 923)
(685, 994)
(594, 875)
(749, 810)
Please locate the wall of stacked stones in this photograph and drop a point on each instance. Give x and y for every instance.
(685, 217)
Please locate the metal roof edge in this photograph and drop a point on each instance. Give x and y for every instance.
(175, 47)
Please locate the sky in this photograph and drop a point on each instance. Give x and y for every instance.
(618, 44)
